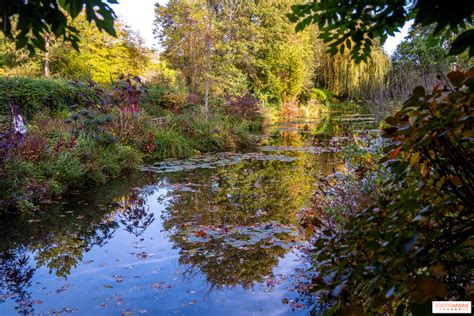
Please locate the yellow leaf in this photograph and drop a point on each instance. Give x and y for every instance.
(414, 159)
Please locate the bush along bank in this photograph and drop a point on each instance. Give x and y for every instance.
(396, 233)
(69, 144)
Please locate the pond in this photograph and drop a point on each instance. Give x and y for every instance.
(212, 235)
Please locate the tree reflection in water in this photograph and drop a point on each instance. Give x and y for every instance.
(59, 238)
(250, 193)
(244, 194)
(15, 278)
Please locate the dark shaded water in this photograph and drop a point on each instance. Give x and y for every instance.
(214, 235)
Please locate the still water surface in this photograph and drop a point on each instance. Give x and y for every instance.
(213, 235)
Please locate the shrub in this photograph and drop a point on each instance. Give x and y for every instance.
(128, 158)
(209, 134)
(171, 144)
(32, 148)
(66, 170)
(414, 244)
(244, 107)
(319, 95)
(92, 124)
(50, 126)
(127, 92)
(174, 101)
(34, 95)
(242, 134)
(9, 142)
(89, 93)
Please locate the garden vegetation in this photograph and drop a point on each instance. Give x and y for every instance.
(389, 236)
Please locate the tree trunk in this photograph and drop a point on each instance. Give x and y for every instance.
(208, 63)
(47, 71)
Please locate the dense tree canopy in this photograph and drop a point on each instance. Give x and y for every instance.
(102, 57)
(421, 50)
(254, 49)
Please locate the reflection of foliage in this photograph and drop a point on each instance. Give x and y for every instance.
(243, 195)
(225, 265)
(62, 251)
(59, 239)
(15, 277)
(235, 255)
(134, 214)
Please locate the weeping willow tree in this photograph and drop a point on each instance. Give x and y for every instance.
(342, 76)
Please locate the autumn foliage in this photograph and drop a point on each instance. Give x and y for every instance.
(412, 245)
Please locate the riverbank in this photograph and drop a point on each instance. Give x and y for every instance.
(79, 135)
(205, 235)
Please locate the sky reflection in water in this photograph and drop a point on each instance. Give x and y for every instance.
(186, 242)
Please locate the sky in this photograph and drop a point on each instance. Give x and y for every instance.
(139, 15)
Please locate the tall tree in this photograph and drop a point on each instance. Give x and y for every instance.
(239, 46)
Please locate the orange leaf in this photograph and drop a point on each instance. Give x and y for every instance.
(394, 153)
(200, 233)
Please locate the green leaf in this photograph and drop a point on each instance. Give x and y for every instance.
(463, 42)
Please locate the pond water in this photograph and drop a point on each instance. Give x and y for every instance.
(212, 235)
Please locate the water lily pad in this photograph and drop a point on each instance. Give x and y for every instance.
(212, 161)
(267, 235)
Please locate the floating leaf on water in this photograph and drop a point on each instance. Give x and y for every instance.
(200, 233)
(267, 235)
(144, 255)
(118, 278)
(190, 303)
(212, 161)
(63, 288)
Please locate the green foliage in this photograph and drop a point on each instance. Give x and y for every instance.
(253, 48)
(413, 244)
(215, 133)
(422, 50)
(35, 95)
(171, 144)
(117, 159)
(67, 148)
(161, 99)
(37, 19)
(66, 170)
(357, 26)
(91, 124)
(102, 57)
(319, 95)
